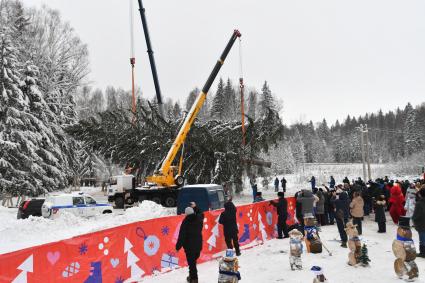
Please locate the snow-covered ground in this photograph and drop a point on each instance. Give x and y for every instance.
(18, 234)
(270, 262)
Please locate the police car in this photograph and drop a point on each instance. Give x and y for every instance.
(80, 204)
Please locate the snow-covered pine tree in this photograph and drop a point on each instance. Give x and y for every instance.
(177, 111)
(97, 101)
(252, 104)
(193, 94)
(411, 135)
(30, 158)
(266, 100)
(217, 108)
(230, 111)
(111, 98)
(297, 148)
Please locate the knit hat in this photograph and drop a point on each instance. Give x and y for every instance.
(189, 211)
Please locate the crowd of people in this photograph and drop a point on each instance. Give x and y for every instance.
(352, 200)
(330, 204)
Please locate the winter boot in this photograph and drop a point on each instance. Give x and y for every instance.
(421, 251)
(194, 280)
(344, 244)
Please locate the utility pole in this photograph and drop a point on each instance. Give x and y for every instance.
(363, 151)
(367, 153)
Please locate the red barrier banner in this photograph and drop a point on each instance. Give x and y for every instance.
(133, 250)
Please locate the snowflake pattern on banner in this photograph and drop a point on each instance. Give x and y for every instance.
(83, 249)
(165, 230)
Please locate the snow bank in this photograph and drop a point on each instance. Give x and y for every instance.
(19, 234)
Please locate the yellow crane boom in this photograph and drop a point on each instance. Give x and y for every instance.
(166, 174)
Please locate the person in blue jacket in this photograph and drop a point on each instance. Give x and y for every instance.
(342, 212)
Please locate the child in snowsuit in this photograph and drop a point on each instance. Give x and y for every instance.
(380, 214)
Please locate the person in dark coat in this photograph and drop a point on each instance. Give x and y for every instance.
(380, 218)
(276, 185)
(190, 239)
(419, 221)
(313, 182)
(332, 182)
(342, 210)
(283, 182)
(282, 215)
(254, 189)
(320, 207)
(346, 181)
(298, 212)
(230, 226)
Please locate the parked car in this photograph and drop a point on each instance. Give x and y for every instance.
(80, 204)
(30, 207)
(206, 196)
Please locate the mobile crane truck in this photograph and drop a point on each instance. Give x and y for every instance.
(164, 184)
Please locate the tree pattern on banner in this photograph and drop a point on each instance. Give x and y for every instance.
(25, 267)
(262, 227)
(212, 240)
(132, 259)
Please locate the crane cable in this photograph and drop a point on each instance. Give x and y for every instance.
(132, 62)
(242, 88)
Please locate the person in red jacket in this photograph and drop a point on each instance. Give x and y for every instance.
(397, 203)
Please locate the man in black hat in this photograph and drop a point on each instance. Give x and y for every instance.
(419, 221)
(282, 215)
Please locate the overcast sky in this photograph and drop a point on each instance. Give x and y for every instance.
(325, 58)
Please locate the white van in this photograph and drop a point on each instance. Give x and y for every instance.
(80, 204)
